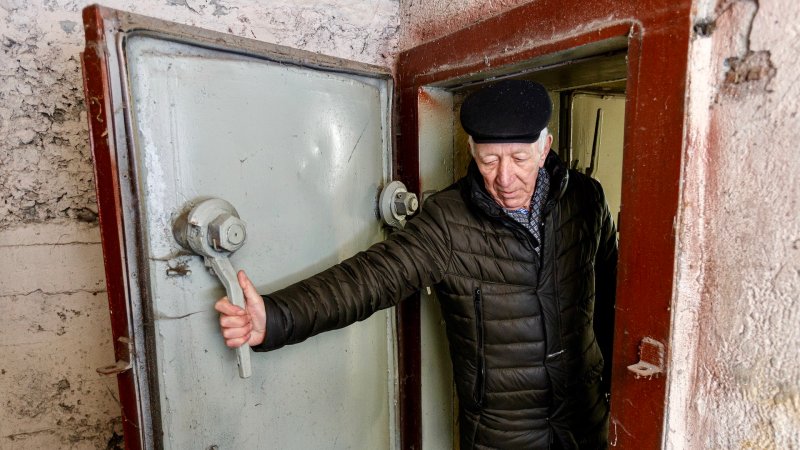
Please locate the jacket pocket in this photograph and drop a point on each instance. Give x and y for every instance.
(480, 366)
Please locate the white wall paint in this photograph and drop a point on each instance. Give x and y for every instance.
(52, 291)
(55, 332)
(608, 160)
(738, 287)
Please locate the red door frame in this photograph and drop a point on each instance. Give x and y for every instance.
(658, 34)
(95, 65)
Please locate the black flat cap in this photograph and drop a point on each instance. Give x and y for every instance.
(507, 111)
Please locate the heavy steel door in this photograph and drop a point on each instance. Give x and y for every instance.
(300, 145)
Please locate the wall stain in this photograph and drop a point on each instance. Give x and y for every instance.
(704, 27)
(749, 71)
(753, 72)
(743, 392)
(60, 404)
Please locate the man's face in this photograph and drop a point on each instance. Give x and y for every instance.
(509, 170)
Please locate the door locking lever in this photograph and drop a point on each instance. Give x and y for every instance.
(212, 228)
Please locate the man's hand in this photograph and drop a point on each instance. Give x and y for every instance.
(240, 326)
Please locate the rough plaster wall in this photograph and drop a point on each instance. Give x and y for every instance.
(738, 286)
(55, 331)
(54, 321)
(426, 20)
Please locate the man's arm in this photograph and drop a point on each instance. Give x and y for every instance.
(348, 292)
(605, 291)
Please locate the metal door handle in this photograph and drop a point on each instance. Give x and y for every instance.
(212, 229)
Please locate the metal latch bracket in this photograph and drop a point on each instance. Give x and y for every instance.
(651, 359)
(121, 365)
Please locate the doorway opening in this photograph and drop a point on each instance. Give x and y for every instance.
(587, 86)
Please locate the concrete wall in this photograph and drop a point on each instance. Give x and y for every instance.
(54, 321)
(736, 350)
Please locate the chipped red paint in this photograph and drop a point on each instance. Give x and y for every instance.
(658, 36)
(95, 76)
(425, 98)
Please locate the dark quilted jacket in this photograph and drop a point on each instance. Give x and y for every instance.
(527, 335)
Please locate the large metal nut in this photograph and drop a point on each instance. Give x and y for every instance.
(405, 203)
(227, 232)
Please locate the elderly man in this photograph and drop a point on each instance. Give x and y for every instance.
(522, 254)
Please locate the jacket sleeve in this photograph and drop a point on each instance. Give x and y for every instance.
(605, 291)
(354, 289)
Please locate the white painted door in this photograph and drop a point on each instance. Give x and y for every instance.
(301, 153)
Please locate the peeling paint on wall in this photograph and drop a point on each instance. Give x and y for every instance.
(745, 72)
(749, 74)
(45, 167)
(45, 162)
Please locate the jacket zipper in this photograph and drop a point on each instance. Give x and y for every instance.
(553, 218)
(480, 377)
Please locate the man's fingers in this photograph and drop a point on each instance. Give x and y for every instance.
(224, 306)
(247, 286)
(226, 321)
(237, 323)
(237, 342)
(232, 333)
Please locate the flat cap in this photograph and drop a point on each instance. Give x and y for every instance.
(507, 111)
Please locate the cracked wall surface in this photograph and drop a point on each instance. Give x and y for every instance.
(55, 333)
(52, 289)
(736, 343)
